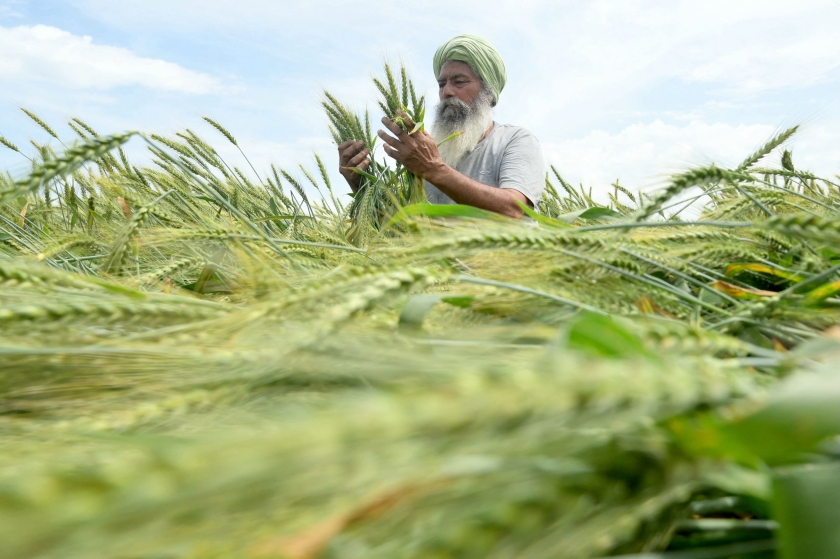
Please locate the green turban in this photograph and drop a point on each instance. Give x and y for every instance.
(479, 54)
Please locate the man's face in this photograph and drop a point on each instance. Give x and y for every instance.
(458, 80)
(465, 108)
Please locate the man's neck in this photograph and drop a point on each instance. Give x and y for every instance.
(487, 133)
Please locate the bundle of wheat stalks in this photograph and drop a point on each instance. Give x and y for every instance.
(201, 361)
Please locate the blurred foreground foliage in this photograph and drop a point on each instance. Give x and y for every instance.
(201, 361)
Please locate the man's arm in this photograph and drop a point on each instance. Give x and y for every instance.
(419, 154)
(464, 190)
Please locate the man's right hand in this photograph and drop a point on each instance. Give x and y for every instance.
(353, 154)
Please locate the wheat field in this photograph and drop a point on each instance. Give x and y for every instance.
(205, 360)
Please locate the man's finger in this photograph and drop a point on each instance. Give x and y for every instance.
(363, 165)
(349, 154)
(409, 122)
(354, 145)
(354, 162)
(393, 153)
(392, 126)
(388, 139)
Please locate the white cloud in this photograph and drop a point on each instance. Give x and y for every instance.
(644, 155)
(564, 58)
(576, 62)
(11, 9)
(612, 88)
(802, 61)
(43, 53)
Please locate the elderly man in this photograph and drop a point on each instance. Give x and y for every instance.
(491, 166)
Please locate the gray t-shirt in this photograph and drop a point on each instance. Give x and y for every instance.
(509, 157)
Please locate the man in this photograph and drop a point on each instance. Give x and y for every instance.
(490, 166)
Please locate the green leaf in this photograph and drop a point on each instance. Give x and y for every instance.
(735, 269)
(282, 216)
(446, 210)
(463, 302)
(817, 347)
(602, 336)
(451, 136)
(209, 274)
(820, 293)
(415, 310)
(710, 297)
(363, 173)
(806, 503)
(594, 212)
(541, 219)
(803, 411)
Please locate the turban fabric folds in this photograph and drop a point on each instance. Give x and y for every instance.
(482, 57)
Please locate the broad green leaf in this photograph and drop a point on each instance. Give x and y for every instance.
(803, 410)
(741, 292)
(739, 480)
(541, 219)
(461, 301)
(822, 292)
(446, 210)
(820, 346)
(711, 297)
(594, 212)
(806, 502)
(599, 213)
(601, 335)
(734, 269)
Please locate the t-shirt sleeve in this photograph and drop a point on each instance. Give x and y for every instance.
(523, 166)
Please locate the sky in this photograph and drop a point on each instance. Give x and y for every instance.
(614, 89)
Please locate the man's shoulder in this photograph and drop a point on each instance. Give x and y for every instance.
(510, 132)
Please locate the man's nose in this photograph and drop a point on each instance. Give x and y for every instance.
(447, 91)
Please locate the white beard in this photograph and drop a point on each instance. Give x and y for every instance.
(472, 121)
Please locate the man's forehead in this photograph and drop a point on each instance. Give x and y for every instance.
(454, 68)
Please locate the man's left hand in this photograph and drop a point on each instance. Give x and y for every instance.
(417, 152)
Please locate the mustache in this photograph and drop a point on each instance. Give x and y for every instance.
(453, 110)
(454, 102)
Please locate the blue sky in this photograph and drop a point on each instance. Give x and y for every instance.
(612, 88)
